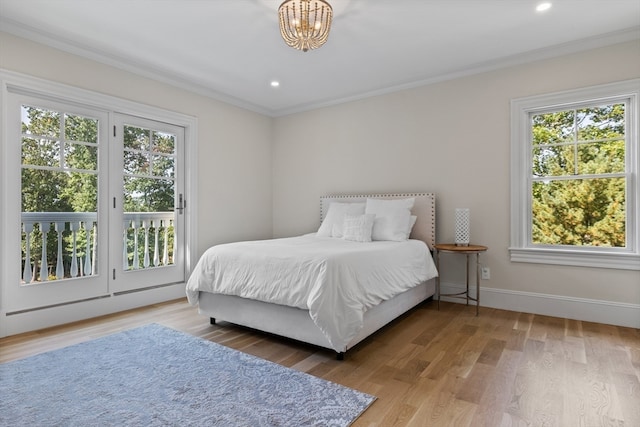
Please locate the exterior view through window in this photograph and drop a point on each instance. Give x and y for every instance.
(60, 184)
(578, 182)
(59, 194)
(149, 187)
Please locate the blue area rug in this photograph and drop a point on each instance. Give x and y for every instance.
(156, 376)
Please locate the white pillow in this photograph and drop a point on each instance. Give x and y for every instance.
(393, 218)
(412, 222)
(334, 220)
(358, 227)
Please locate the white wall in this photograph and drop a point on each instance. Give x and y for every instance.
(452, 138)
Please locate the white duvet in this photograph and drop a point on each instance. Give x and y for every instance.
(336, 280)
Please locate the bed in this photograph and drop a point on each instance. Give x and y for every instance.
(317, 299)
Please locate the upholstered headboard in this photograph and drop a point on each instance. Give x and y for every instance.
(424, 209)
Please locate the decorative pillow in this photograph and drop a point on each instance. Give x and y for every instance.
(393, 218)
(358, 227)
(334, 219)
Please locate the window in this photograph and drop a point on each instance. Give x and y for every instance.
(574, 177)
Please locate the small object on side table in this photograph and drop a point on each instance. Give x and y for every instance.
(468, 251)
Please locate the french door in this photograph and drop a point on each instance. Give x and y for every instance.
(95, 203)
(147, 204)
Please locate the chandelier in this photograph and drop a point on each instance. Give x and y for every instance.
(305, 24)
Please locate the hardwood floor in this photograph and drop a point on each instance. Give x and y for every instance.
(433, 368)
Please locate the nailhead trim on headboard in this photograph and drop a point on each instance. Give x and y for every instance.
(427, 224)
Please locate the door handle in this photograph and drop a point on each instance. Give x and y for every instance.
(181, 204)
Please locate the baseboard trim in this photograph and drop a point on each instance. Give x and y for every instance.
(607, 312)
(590, 310)
(20, 322)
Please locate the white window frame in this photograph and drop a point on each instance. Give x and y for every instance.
(521, 247)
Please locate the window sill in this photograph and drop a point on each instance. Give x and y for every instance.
(620, 261)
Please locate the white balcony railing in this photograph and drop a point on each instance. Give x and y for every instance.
(76, 234)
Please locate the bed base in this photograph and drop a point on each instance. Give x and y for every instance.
(339, 355)
(295, 323)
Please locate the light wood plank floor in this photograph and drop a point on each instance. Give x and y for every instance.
(433, 368)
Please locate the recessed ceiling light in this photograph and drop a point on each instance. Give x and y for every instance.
(275, 83)
(543, 6)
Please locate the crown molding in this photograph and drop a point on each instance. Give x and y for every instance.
(555, 51)
(128, 64)
(134, 66)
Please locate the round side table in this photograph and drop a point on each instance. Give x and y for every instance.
(461, 250)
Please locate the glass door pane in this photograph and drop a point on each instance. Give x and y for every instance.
(151, 197)
(59, 195)
(149, 191)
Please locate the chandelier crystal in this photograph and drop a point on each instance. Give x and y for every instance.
(305, 24)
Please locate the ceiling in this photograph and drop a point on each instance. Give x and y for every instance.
(231, 50)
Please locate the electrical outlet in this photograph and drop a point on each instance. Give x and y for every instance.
(486, 273)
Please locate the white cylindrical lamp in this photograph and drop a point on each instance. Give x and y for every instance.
(462, 227)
